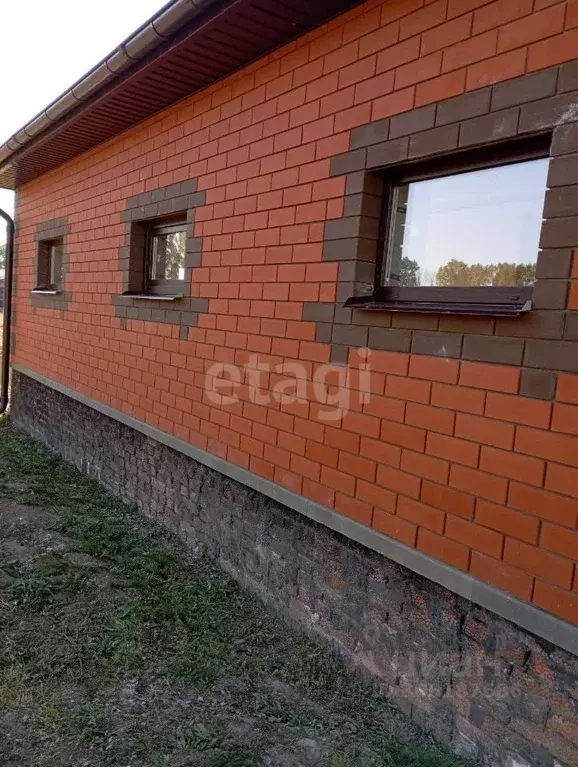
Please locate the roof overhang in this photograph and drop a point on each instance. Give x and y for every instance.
(185, 47)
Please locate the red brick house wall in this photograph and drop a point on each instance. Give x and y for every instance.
(471, 458)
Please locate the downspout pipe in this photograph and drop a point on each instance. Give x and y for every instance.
(8, 274)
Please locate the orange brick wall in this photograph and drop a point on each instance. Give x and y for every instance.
(446, 456)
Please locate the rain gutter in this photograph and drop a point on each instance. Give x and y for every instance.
(8, 273)
(155, 31)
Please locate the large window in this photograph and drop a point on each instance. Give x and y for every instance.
(462, 230)
(475, 229)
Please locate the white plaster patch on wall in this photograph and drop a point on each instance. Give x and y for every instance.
(569, 115)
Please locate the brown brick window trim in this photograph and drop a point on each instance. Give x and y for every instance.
(55, 229)
(181, 198)
(540, 341)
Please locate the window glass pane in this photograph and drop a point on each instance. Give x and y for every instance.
(168, 256)
(55, 263)
(480, 228)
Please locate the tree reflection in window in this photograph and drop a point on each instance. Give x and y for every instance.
(168, 255)
(467, 229)
(484, 275)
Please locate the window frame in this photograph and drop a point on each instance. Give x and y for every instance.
(46, 264)
(510, 300)
(162, 287)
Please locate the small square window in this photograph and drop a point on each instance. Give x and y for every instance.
(50, 264)
(165, 257)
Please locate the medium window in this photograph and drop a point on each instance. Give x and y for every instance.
(50, 262)
(474, 229)
(166, 255)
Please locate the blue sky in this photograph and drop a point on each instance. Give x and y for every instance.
(483, 217)
(47, 46)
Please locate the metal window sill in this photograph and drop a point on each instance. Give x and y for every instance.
(440, 307)
(153, 296)
(45, 292)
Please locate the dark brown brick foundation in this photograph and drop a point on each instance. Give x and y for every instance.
(492, 690)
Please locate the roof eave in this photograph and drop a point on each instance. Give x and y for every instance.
(184, 48)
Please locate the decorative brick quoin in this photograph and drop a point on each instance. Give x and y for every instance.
(208, 319)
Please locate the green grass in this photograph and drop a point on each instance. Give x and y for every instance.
(120, 647)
